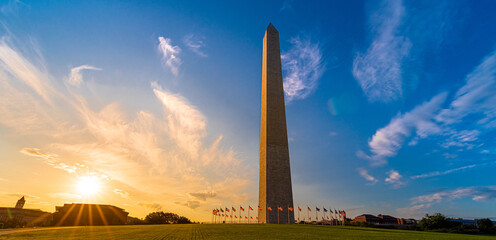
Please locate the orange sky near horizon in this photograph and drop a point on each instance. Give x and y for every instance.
(145, 161)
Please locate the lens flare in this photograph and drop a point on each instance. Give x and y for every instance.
(89, 185)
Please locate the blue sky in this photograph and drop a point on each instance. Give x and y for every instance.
(390, 104)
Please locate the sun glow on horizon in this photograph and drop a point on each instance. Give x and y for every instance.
(89, 185)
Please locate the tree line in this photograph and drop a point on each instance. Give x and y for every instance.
(159, 218)
(440, 223)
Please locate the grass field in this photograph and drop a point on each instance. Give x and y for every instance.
(234, 231)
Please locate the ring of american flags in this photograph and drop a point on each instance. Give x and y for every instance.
(304, 215)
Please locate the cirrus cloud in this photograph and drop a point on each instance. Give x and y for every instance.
(303, 65)
(388, 140)
(76, 78)
(170, 54)
(195, 44)
(379, 70)
(365, 174)
(480, 193)
(477, 98)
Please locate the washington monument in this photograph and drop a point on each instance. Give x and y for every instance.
(275, 188)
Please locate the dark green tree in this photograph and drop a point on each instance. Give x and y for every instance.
(437, 221)
(135, 221)
(156, 218)
(485, 225)
(171, 217)
(183, 220)
(165, 218)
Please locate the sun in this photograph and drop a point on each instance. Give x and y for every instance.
(88, 185)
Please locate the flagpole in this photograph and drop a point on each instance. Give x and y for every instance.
(288, 215)
(278, 215)
(249, 214)
(308, 214)
(324, 214)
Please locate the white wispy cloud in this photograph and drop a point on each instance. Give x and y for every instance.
(388, 140)
(195, 44)
(480, 193)
(477, 96)
(186, 125)
(419, 205)
(303, 66)
(450, 155)
(415, 211)
(464, 138)
(394, 178)
(75, 77)
(440, 173)
(25, 71)
(365, 174)
(170, 54)
(50, 159)
(12, 7)
(379, 70)
(121, 193)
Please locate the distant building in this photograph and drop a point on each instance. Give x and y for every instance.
(409, 221)
(367, 218)
(78, 214)
(469, 221)
(20, 217)
(472, 222)
(386, 219)
(20, 203)
(383, 220)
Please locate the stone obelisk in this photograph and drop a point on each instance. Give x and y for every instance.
(275, 188)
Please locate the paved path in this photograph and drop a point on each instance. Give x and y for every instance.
(19, 230)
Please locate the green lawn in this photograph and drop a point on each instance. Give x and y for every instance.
(233, 231)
